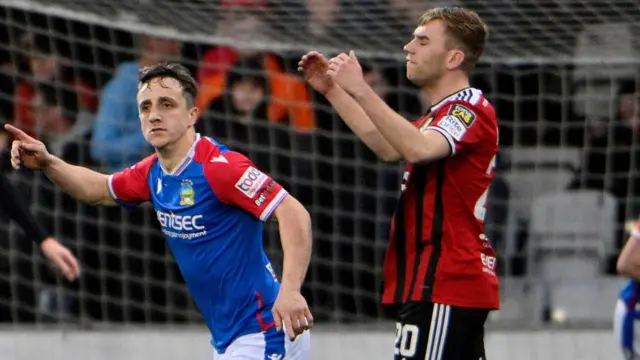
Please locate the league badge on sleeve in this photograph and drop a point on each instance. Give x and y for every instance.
(187, 195)
(463, 113)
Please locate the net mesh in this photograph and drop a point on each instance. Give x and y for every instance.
(523, 30)
(562, 75)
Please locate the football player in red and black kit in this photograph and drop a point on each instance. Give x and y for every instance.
(440, 267)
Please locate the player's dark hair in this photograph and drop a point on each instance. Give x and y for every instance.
(174, 71)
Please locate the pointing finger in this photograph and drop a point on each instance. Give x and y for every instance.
(17, 132)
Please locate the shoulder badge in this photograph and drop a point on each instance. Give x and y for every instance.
(463, 113)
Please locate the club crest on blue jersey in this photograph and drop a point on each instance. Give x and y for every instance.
(187, 195)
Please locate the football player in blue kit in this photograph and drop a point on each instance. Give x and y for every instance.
(211, 203)
(627, 313)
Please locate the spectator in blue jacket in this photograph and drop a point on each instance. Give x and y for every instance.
(117, 141)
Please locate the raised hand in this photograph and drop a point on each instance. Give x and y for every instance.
(314, 66)
(27, 151)
(345, 70)
(61, 258)
(292, 312)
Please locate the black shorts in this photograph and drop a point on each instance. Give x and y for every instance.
(428, 331)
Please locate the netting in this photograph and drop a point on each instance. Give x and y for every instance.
(562, 75)
(527, 30)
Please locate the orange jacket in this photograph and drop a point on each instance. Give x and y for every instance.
(290, 97)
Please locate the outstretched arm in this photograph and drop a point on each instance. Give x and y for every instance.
(81, 183)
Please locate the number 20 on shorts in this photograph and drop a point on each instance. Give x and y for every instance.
(406, 340)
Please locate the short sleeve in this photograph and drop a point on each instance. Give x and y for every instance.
(235, 180)
(460, 125)
(129, 187)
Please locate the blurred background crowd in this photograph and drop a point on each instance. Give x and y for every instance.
(566, 125)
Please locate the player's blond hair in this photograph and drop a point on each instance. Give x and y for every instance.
(466, 30)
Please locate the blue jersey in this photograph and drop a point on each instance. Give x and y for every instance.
(211, 210)
(629, 294)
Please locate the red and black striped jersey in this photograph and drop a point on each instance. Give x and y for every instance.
(438, 250)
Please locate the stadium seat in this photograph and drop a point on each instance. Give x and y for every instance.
(532, 172)
(521, 301)
(570, 234)
(536, 171)
(590, 301)
(571, 221)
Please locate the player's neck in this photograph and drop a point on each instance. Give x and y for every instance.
(172, 155)
(445, 87)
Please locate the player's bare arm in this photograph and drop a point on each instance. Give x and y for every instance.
(629, 260)
(291, 308)
(81, 183)
(314, 66)
(406, 139)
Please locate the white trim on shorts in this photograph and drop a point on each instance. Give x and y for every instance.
(437, 332)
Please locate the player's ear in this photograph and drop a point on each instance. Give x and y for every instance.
(193, 115)
(455, 59)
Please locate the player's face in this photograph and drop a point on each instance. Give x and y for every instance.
(165, 116)
(428, 55)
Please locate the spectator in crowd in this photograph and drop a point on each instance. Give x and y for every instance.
(13, 206)
(47, 68)
(240, 118)
(322, 14)
(117, 141)
(14, 64)
(58, 116)
(289, 96)
(242, 20)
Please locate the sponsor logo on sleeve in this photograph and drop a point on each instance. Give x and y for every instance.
(264, 195)
(463, 113)
(453, 126)
(251, 181)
